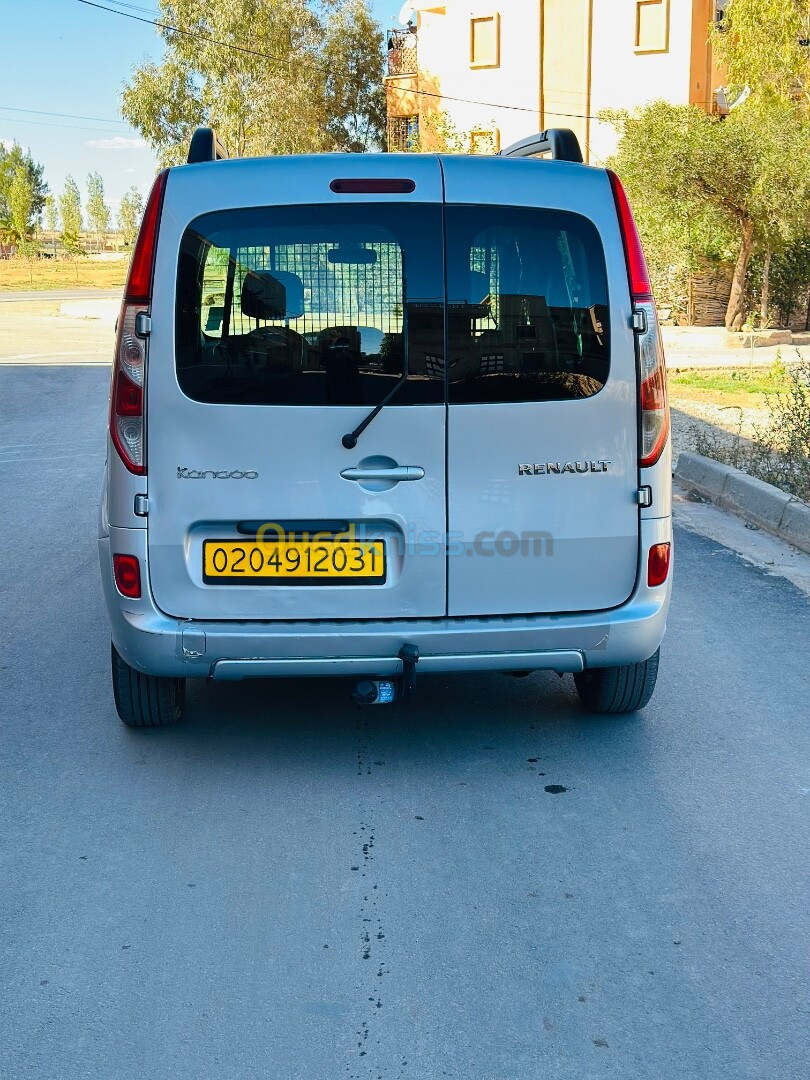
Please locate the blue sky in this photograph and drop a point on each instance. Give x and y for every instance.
(61, 56)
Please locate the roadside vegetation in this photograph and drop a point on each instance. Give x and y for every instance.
(47, 241)
(732, 189)
(723, 384)
(776, 448)
(77, 273)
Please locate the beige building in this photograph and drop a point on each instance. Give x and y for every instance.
(503, 69)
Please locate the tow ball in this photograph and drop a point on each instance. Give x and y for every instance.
(387, 691)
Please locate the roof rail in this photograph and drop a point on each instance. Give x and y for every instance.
(558, 143)
(205, 146)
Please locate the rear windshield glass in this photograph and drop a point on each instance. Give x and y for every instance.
(312, 305)
(527, 305)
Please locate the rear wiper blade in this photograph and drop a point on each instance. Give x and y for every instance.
(350, 440)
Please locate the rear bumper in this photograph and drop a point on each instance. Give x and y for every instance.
(158, 644)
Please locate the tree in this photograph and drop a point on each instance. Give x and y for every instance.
(70, 209)
(789, 280)
(52, 219)
(130, 213)
(354, 95)
(98, 213)
(271, 76)
(20, 199)
(745, 179)
(11, 161)
(765, 48)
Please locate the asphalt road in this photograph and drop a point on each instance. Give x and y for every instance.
(287, 887)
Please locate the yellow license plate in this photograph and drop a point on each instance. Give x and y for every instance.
(294, 562)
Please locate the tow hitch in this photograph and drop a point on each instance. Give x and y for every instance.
(387, 691)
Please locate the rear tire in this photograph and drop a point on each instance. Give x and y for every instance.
(146, 700)
(618, 689)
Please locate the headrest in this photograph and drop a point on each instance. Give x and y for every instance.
(294, 288)
(272, 296)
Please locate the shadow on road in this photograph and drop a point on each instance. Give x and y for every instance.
(283, 722)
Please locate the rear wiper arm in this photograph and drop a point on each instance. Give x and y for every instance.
(350, 440)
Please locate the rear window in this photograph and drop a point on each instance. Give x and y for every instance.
(312, 305)
(331, 305)
(527, 305)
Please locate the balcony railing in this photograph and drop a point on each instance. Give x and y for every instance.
(401, 52)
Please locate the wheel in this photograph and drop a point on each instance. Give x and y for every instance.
(146, 700)
(618, 689)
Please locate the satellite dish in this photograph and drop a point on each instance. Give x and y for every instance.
(406, 12)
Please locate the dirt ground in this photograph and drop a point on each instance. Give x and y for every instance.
(55, 332)
(79, 273)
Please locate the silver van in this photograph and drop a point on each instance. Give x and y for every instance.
(379, 415)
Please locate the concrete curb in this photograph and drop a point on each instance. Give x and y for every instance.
(762, 504)
(761, 339)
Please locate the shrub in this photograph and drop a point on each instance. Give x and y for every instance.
(779, 453)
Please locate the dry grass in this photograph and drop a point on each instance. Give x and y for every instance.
(78, 273)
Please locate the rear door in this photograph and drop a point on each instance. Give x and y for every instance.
(542, 419)
(285, 308)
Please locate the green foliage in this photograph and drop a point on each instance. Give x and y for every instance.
(789, 278)
(20, 201)
(787, 435)
(51, 214)
(354, 98)
(779, 453)
(130, 213)
(705, 188)
(71, 244)
(439, 134)
(770, 380)
(760, 44)
(12, 162)
(322, 89)
(70, 210)
(98, 213)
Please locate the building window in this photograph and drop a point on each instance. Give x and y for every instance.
(652, 26)
(485, 41)
(403, 134)
(485, 141)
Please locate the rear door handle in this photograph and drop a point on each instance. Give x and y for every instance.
(392, 475)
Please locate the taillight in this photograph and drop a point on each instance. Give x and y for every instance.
(652, 365)
(126, 393)
(640, 288)
(127, 574)
(139, 279)
(658, 564)
(653, 390)
(129, 363)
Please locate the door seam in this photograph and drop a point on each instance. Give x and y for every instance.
(446, 350)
